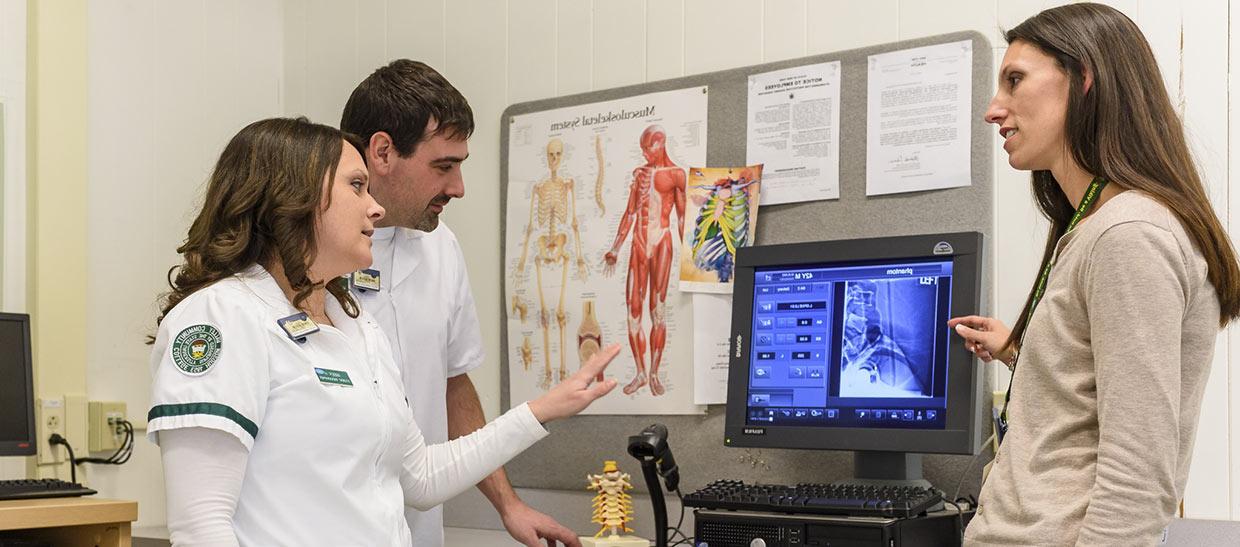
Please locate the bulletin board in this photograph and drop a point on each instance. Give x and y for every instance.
(579, 445)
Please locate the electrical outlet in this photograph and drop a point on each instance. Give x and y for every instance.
(49, 419)
(106, 431)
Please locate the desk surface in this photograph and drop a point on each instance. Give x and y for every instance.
(50, 512)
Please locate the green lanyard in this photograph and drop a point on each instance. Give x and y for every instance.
(1087, 203)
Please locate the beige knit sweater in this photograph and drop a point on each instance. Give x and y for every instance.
(1107, 393)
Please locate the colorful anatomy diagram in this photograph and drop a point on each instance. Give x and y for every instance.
(600, 188)
(658, 188)
(726, 200)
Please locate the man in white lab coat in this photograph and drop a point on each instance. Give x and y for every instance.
(416, 127)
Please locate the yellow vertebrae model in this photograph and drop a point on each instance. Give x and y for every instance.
(613, 508)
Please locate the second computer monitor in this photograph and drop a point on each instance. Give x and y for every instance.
(17, 429)
(844, 345)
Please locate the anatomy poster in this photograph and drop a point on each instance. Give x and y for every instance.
(723, 211)
(597, 210)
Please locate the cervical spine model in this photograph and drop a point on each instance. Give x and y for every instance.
(612, 507)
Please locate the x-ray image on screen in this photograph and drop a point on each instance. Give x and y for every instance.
(888, 337)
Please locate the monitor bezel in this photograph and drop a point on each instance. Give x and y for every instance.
(964, 422)
(14, 447)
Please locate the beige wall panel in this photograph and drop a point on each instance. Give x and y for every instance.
(573, 45)
(371, 22)
(331, 46)
(784, 28)
(722, 34)
(532, 68)
(415, 30)
(296, 62)
(619, 43)
(834, 25)
(918, 19)
(1205, 84)
(665, 39)
(476, 64)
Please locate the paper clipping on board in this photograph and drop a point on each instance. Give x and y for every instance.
(712, 323)
(722, 215)
(794, 129)
(596, 206)
(918, 119)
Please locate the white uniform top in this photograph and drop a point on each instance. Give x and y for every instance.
(426, 308)
(334, 454)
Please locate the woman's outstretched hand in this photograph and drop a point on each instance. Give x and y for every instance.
(984, 336)
(575, 393)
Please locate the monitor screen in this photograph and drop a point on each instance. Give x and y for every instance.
(16, 387)
(849, 346)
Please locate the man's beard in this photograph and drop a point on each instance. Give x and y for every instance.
(428, 221)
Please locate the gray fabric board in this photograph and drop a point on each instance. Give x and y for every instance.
(578, 446)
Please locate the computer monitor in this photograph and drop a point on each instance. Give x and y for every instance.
(16, 387)
(844, 345)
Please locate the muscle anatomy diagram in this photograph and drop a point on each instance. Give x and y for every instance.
(601, 188)
(658, 190)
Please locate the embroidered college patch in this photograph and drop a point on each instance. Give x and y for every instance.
(196, 348)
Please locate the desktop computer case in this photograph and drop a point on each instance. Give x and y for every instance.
(714, 528)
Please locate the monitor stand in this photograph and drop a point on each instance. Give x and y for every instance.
(887, 469)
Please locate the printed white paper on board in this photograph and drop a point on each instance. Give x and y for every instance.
(712, 321)
(918, 119)
(794, 129)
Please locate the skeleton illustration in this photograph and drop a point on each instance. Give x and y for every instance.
(658, 187)
(598, 181)
(520, 308)
(527, 353)
(613, 508)
(552, 204)
(589, 335)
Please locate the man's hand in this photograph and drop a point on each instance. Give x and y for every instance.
(530, 527)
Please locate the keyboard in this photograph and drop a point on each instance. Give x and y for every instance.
(823, 499)
(41, 488)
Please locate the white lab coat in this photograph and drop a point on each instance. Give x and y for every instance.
(426, 308)
(328, 464)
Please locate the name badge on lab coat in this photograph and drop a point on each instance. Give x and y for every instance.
(366, 280)
(333, 377)
(298, 326)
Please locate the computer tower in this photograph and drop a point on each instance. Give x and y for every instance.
(752, 529)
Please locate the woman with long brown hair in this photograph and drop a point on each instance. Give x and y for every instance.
(1111, 352)
(276, 402)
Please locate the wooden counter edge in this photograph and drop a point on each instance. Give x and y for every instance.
(51, 512)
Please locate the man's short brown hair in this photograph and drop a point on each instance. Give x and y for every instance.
(400, 99)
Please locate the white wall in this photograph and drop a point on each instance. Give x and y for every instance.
(170, 81)
(13, 177)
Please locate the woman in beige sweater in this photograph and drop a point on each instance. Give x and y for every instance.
(1112, 350)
